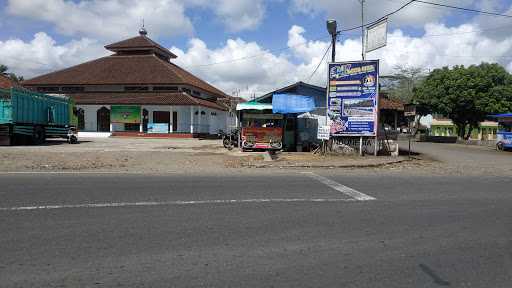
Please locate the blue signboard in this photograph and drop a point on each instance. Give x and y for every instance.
(158, 127)
(353, 97)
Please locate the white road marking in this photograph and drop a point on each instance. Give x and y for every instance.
(356, 195)
(134, 204)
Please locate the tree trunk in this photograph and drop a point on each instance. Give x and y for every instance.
(469, 133)
(461, 130)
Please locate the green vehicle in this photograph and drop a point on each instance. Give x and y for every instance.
(30, 117)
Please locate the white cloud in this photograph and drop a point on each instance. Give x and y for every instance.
(271, 71)
(42, 54)
(116, 19)
(106, 19)
(240, 14)
(262, 71)
(347, 12)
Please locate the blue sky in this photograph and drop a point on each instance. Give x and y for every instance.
(38, 36)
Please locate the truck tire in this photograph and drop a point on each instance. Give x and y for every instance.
(39, 135)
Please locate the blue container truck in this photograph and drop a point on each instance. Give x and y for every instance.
(30, 117)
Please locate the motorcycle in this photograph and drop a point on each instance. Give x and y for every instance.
(229, 140)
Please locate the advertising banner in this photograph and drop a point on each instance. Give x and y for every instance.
(125, 114)
(352, 99)
(158, 127)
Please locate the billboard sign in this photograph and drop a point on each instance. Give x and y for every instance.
(125, 114)
(377, 35)
(353, 97)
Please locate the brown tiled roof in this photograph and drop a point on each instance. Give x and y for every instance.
(143, 98)
(6, 82)
(390, 104)
(124, 70)
(138, 43)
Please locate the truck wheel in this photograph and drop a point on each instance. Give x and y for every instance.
(499, 146)
(72, 139)
(39, 135)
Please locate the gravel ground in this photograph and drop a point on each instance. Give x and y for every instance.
(117, 154)
(194, 155)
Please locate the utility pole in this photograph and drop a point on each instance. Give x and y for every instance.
(332, 28)
(363, 53)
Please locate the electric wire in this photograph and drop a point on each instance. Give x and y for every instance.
(464, 9)
(320, 62)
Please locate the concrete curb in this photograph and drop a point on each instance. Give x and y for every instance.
(368, 165)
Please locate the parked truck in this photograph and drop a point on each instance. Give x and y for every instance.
(30, 117)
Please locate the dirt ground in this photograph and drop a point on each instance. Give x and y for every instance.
(115, 154)
(160, 155)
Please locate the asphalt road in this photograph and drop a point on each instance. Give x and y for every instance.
(255, 229)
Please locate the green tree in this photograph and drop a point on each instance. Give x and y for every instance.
(14, 77)
(466, 95)
(403, 81)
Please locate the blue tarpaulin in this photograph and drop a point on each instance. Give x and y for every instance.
(292, 103)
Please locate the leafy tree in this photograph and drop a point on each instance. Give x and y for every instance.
(403, 81)
(14, 77)
(466, 95)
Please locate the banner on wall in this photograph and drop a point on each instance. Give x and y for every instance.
(125, 114)
(158, 128)
(352, 98)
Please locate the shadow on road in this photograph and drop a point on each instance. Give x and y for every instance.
(437, 279)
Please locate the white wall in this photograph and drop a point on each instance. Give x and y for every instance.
(209, 123)
(90, 114)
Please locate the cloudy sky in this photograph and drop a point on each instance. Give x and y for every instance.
(253, 46)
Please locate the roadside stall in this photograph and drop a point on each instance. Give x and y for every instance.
(261, 129)
(504, 134)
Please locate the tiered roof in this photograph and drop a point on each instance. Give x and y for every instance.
(137, 61)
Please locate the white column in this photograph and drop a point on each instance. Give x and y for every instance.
(199, 122)
(191, 119)
(170, 118)
(141, 120)
(208, 121)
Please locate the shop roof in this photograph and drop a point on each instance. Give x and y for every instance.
(144, 98)
(292, 88)
(253, 105)
(390, 104)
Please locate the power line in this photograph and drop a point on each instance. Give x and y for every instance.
(319, 63)
(464, 9)
(378, 20)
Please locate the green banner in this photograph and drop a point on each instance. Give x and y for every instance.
(125, 114)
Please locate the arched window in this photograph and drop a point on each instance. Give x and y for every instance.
(103, 119)
(80, 114)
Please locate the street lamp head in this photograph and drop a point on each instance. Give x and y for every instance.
(332, 26)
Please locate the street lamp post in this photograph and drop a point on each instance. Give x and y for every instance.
(332, 28)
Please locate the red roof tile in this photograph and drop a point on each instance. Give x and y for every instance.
(6, 82)
(124, 70)
(390, 104)
(143, 98)
(139, 43)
